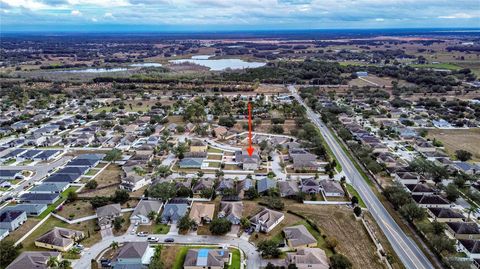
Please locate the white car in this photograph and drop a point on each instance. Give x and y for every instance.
(142, 234)
(152, 239)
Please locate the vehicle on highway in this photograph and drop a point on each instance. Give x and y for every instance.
(169, 240)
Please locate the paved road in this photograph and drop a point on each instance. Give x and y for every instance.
(408, 251)
(253, 258)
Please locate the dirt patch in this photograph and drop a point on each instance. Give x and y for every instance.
(78, 208)
(169, 255)
(455, 139)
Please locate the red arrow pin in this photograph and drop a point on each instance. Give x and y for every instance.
(250, 148)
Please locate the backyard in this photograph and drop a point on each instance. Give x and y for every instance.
(456, 139)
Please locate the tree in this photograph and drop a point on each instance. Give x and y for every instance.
(245, 222)
(470, 210)
(92, 184)
(357, 211)
(72, 196)
(331, 242)
(156, 260)
(99, 201)
(113, 155)
(114, 245)
(207, 193)
(220, 226)
(442, 244)
(164, 191)
(8, 252)
(152, 215)
(277, 129)
(338, 261)
(163, 171)
(463, 155)
(52, 262)
(452, 192)
(292, 266)
(397, 195)
(438, 227)
(64, 264)
(185, 223)
(274, 203)
(251, 193)
(354, 200)
(117, 223)
(269, 249)
(183, 191)
(120, 196)
(412, 211)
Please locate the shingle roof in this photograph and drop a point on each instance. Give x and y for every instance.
(473, 246)
(430, 199)
(309, 257)
(145, 206)
(10, 215)
(298, 236)
(109, 210)
(32, 259)
(132, 250)
(446, 213)
(59, 237)
(464, 227)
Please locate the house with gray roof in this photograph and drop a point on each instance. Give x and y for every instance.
(299, 237)
(133, 255)
(206, 258)
(306, 258)
(331, 188)
(30, 209)
(8, 174)
(288, 188)
(309, 185)
(50, 187)
(69, 178)
(231, 210)
(202, 184)
(61, 239)
(265, 184)
(143, 208)
(191, 163)
(266, 220)
(47, 155)
(39, 198)
(33, 260)
(246, 161)
(174, 212)
(12, 219)
(107, 214)
(225, 184)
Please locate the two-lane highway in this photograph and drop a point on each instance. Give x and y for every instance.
(407, 250)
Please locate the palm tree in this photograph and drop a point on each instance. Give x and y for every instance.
(470, 210)
(114, 245)
(52, 262)
(152, 215)
(65, 264)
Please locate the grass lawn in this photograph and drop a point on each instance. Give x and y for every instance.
(78, 208)
(62, 198)
(214, 150)
(15, 181)
(216, 165)
(154, 228)
(214, 157)
(4, 189)
(87, 227)
(321, 241)
(9, 161)
(22, 230)
(456, 139)
(204, 230)
(101, 165)
(354, 192)
(92, 172)
(235, 259)
(125, 225)
(26, 162)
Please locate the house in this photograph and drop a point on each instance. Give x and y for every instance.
(74, 170)
(143, 209)
(69, 178)
(35, 139)
(10, 174)
(299, 237)
(467, 168)
(445, 215)
(39, 198)
(469, 247)
(331, 188)
(306, 258)
(198, 146)
(107, 214)
(202, 184)
(265, 184)
(463, 230)
(195, 163)
(29, 155)
(231, 210)
(12, 154)
(303, 160)
(61, 239)
(133, 255)
(243, 185)
(266, 220)
(422, 145)
(12, 219)
(206, 258)
(309, 185)
(288, 188)
(202, 213)
(173, 212)
(247, 162)
(419, 189)
(33, 260)
(430, 201)
(30, 209)
(4, 233)
(47, 155)
(133, 182)
(388, 159)
(83, 162)
(225, 184)
(50, 187)
(407, 177)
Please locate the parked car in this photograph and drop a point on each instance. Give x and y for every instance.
(142, 234)
(152, 239)
(106, 262)
(169, 240)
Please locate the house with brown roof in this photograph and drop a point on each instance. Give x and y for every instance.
(206, 258)
(61, 239)
(307, 258)
(463, 230)
(202, 184)
(231, 210)
(33, 260)
(299, 237)
(266, 220)
(202, 213)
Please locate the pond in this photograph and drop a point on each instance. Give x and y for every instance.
(93, 70)
(218, 64)
(146, 65)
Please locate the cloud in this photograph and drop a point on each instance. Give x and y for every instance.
(458, 16)
(108, 15)
(76, 12)
(94, 20)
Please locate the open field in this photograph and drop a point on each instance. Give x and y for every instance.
(455, 139)
(78, 208)
(339, 222)
(22, 230)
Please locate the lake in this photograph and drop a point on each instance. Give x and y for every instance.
(146, 65)
(93, 70)
(218, 64)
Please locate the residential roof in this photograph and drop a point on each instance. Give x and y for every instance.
(61, 237)
(57, 177)
(446, 213)
(299, 236)
(231, 210)
(309, 258)
(10, 215)
(430, 199)
(200, 211)
(419, 188)
(50, 187)
(109, 210)
(146, 206)
(28, 208)
(191, 162)
(32, 259)
(288, 187)
(331, 186)
(82, 162)
(267, 217)
(9, 173)
(473, 246)
(174, 212)
(206, 258)
(464, 227)
(265, 184)
(75, 170)
(132, 250)
(38, 196)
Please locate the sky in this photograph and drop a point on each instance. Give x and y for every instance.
(225, 15)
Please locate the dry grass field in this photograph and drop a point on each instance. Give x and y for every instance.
(455, 139)
(78, 208)
(353, 239)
